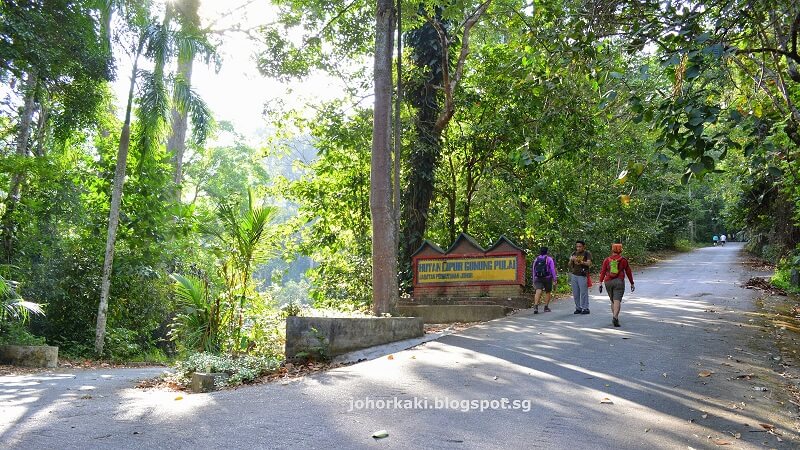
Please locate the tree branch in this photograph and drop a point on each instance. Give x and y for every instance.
(746, 51)
(449, 84)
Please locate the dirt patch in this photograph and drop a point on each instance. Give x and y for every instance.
(6, 370)
(781, 319)
(439, 327)
(765, 285)
(757, 264)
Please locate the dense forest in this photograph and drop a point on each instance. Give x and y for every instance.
(141, 227)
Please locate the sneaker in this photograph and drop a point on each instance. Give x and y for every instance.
(536, 310)
(578, 311)
(546, 308)
(615, 321)
(585, 311)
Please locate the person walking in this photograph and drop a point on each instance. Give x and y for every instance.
(723, 239)
(614, 270)
(545, 278)
(579, 264)
(715, 239)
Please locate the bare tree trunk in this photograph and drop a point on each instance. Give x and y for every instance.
(384, 251)
(26, 118)
(116, 202)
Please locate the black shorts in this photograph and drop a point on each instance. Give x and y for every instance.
(545, 284)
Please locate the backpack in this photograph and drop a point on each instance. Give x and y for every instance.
(540, 267)
(613, 266)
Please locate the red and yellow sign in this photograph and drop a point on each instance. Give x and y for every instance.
(475, 270)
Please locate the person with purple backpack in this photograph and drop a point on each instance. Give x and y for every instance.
(544, 278)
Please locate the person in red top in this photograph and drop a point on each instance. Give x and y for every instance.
(613, 272)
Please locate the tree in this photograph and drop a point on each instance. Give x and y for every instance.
(189, 47)
(116, 199)
(431, 45)
(54, 47)
(384, 251)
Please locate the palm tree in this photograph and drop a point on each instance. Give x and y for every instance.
(197, 326)
(193, 43)
(158, 42)
(243, 238)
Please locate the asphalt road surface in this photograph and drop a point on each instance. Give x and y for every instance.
(569, 381)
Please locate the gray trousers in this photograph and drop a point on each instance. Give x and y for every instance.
(580, 291)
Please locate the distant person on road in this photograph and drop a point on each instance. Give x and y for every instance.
(723, 239)
(579, 264)
(613, 272)
(545, 278)
(715, 239)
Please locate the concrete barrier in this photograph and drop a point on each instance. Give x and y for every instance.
(29, 355)
(331, 336)
(453, 313)
(207, 382)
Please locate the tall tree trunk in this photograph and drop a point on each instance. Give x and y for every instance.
(189, 17)
(384, 252)
(26, 118)
(398, 130)
(116, 202)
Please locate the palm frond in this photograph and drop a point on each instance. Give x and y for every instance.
(190, 290)
(14, 307)
(190, 44)
(160, 43)
(152, 113)
(186, 100)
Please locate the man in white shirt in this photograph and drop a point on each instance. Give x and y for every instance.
(722, 239)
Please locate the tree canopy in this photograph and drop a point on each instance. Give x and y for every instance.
(652, 123)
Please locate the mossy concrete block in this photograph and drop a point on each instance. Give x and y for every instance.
(29, 355)
(206, 382)
(331, 336)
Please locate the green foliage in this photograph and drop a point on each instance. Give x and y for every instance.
(783, 274)
(15, 333)
(13, 308)
(196, 326)
(242, 369)
(122, 344)
(643, 123)
(333, 219)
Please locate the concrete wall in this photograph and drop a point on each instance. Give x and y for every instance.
(453, 313)
(342, 335)
(29, 355)
(502, 290)
(510, 302)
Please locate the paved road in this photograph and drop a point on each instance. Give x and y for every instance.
(687, 315)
